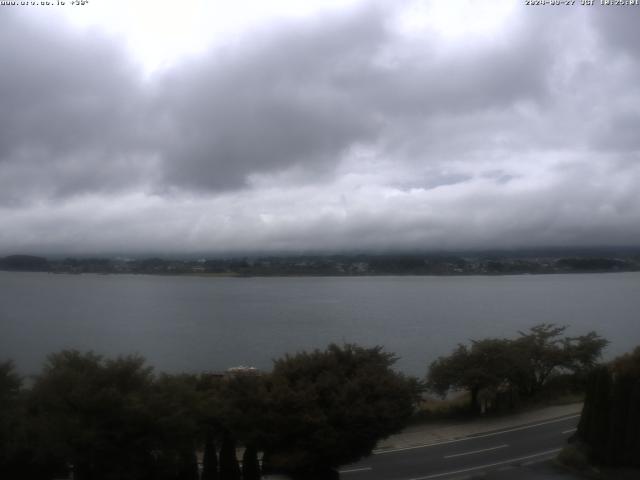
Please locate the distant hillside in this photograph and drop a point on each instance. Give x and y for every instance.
(335, 265)
(24, 263)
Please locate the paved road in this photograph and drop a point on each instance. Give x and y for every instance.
(467, 456)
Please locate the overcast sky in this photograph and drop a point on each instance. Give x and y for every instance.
(178, 127)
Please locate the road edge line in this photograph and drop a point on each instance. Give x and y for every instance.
(489, 465)
(476, 451)
(481, 435)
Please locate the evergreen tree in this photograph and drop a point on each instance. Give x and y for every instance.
(210, 459)
(593, 427)
(610, 420)
(229, 469)
(250, 465)
(188, 466)
(10, 386)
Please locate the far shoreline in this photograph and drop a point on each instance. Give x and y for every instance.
(339, 265)
(321, 275)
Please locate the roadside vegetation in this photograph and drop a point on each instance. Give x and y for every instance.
(115, 418)
(109, 419)
(609, 430)
(498, 374)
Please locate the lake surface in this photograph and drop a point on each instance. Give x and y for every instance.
(199, 323)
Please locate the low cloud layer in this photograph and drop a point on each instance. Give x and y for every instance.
(343, 130)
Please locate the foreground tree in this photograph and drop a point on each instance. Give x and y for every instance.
(327, 408)
(174, 404)
(486, 366)
(609, 427)
(92, 413)
(543, 351)
(11, 427)
(210, 459)
(250, 464)
(229, 468)
(113, 419)
(516, 368)
(583, 353)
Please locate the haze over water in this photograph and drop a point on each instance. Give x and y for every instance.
(198, 323)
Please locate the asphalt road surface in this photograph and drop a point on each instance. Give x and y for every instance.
(467, 456)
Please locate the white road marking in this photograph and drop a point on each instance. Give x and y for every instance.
(352, 470)
(489, 465)
(484, 435)
(571, 430)
(476, 451)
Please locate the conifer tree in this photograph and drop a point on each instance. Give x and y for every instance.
(210, 459)
(229, 469)
(611, 413)
(250, 465)
(188, 466)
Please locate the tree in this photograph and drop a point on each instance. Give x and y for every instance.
(210, 459)
(487, 366)
(174, 404)
(583, 352)
(92, 413)
(188, 465)
(11, 422)
(611, 414)
(327, 408)
(250, 465)
(241, 402)
(229, 469)
(543, 349)
(522, 366)
(113, 419)
(544, 352)
(211, 400)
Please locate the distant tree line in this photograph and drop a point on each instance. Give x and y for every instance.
(337, 265)
(501, 373)
(108, 419)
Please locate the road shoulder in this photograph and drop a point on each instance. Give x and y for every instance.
(443, 431)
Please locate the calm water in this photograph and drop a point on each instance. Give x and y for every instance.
(193, 324)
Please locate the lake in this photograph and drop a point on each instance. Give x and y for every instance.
(186, 323)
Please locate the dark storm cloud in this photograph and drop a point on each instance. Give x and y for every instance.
(309, 92)
(73, 113)
(333, 131)
(79, 120)
(275, 100)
